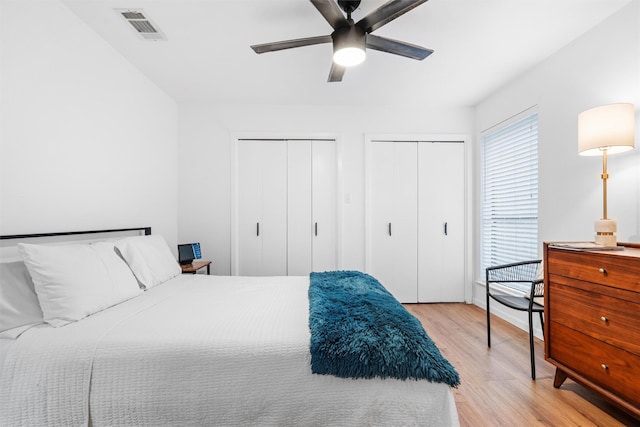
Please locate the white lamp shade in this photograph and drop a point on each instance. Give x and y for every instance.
(609, 127)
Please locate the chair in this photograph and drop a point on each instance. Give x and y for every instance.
(523, 273)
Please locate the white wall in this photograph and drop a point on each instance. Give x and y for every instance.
(206, 133)
(86, 140)
(601, 67)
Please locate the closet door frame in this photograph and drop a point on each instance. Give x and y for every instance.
(266, 136)
(466, 139)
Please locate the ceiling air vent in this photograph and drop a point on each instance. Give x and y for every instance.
(142, 25)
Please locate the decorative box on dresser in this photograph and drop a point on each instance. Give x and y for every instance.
(592, 320)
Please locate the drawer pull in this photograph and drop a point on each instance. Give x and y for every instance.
(604, 319)
(603, 366)
(602, 270)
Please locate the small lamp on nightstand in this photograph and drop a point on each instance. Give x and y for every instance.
(605, 130)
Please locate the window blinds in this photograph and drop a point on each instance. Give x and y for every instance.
(509, 208)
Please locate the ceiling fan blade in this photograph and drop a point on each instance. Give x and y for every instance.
(387, 13)
(396, 47)
(331, 12)
(288, 44)
(336, 73)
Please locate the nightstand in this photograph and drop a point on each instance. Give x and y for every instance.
(195, 266)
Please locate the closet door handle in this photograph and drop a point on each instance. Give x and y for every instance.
(445, 229)
(316, 229)
(257, 228)
(389, 229)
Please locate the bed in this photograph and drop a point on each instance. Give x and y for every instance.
(188, 350)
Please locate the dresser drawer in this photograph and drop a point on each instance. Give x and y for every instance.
(613, 369)
(611, 269)
(608, 319)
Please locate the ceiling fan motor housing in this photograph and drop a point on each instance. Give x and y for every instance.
(349, 37)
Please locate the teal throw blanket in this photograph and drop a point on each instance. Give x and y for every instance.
(359, 330)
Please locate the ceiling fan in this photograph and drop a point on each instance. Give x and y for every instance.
(351, 39)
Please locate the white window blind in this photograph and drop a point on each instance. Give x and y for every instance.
(509, 225)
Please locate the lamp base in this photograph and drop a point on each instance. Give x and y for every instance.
(606, 232)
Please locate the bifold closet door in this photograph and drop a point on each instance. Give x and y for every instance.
(299, 231)
(286, 200)
(441, 222)
(312, 207)
(394, 207)
(323, 191)
(262, 208)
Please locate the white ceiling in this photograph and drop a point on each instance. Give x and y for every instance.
(479, 46)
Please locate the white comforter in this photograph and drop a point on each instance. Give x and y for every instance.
(200, 350)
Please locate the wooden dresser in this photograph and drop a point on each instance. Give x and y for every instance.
(592, 320)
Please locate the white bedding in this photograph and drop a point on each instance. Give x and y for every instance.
(5, 343)
(200, 350)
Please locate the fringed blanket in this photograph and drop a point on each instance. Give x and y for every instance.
(359, 330)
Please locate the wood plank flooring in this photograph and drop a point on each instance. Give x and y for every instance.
(496, 388)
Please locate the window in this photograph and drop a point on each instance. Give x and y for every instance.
(509, 206)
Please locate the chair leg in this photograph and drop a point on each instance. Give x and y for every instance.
(533, 356)
(541, 322)
(488, 324)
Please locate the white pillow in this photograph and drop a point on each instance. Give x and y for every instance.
(19, 307)
(77, 280)
(150, 259)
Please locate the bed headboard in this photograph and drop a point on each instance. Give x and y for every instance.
(9, 242)
(147, 232)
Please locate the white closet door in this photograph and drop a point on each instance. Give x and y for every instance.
(394, 217)
(274, 209)
(324, 205)
(299, 247)
(249, 215)
(262, 208)
(381, 186)
(441, 222)
(284, 189)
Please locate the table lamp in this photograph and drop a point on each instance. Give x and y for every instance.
(602, 131)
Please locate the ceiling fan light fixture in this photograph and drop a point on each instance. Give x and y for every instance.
(349, 56)
(349, 46)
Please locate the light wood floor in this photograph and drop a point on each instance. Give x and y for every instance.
(496, 387)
